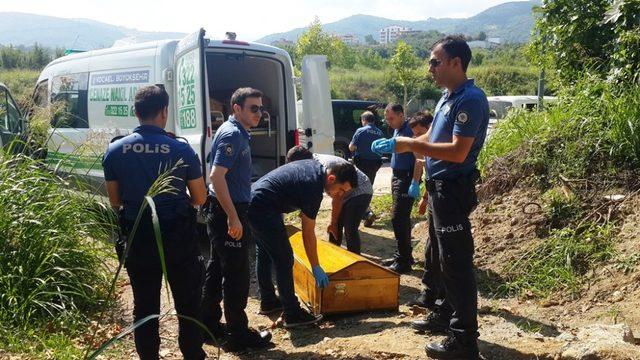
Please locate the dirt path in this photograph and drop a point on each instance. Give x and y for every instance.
(510, 328)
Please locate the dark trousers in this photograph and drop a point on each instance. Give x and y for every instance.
(227, 271)
(368, 167)
(450, 203)
(429, 279)
(184, 271)
(353, 210)
(273, 249)
(401, 213)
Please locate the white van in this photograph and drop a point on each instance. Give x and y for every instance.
(98, 88)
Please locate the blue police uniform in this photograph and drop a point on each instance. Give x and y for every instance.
(228, 270)
(364, 159)
(294, 186)
(135, 162)
(362, 139)
(402, 166)
(452, 198)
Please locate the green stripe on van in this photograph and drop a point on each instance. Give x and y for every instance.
(74, 161)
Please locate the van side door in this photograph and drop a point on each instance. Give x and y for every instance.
(11, 121)
(317, 126)
(192, 116)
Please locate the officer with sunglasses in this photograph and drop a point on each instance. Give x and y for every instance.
(228, 270)
(451, 149)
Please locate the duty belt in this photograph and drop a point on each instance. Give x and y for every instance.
(439, 184)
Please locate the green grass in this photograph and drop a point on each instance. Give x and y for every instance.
(557, 264)
(53, 253)
(593, 129)
(21, 83)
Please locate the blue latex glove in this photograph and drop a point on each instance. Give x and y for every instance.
(414, 189)
(322, 280)
(383, 146)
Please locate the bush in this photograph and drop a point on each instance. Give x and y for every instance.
(505, 80)
(53, 274)
(593, 130)
(21, 83)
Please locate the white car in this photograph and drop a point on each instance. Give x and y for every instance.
(499, 105)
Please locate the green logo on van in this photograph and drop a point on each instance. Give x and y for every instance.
(187, 118)
(116, 110)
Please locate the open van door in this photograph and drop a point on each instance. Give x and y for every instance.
(192, 117)
(11, 121)
(317, 116)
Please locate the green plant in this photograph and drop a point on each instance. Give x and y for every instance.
(557, 263)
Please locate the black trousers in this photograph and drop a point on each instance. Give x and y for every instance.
(401, 213)
(368, 167)
(227, 271)
(184, 271)
(429, 279)
(353, 210)
(450, 203)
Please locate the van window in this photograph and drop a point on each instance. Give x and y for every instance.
(40, 94)
(71, 90)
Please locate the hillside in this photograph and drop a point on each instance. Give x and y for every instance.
(82, 34)
(512, 22)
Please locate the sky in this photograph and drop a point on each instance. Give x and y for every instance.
(250, 19)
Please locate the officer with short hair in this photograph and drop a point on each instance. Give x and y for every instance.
(451, 148)
(131, 165)
(366, 160)
(294, 186)
(402, 166)
(227, 225)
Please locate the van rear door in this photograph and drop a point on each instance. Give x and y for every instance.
(191, 115)
(316, 124)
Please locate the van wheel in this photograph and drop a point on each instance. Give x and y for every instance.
(342, 151)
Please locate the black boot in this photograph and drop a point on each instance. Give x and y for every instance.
(401, 267)
(252, 339)
(426, 299)
(435, 323)
(453, 348)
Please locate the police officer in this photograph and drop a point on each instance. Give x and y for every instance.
(131, 165)
(451, 148)
(402, 165)
(347, 211)
(366, 160)
(294, 186)
(230, 192)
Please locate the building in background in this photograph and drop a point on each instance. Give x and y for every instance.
(390, 34)
(349, 39)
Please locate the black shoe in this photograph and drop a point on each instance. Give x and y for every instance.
(218, 332)
(252, 339)
(452, 348)
(371, 217)
(400, 267)
(270, 307)
(300, 318)
(389, 261)
(434, 323)
(426, 299)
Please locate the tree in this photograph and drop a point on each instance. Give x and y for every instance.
(482, 36)
(601, 37)
(370, 40)
(405, 65)
(315, 41)
(38, 57)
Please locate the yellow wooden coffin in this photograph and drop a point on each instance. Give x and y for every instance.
(356, 284)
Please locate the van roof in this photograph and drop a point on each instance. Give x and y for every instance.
(160, 43)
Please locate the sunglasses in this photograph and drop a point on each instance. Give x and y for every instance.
(434, 62)
(255, 108)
